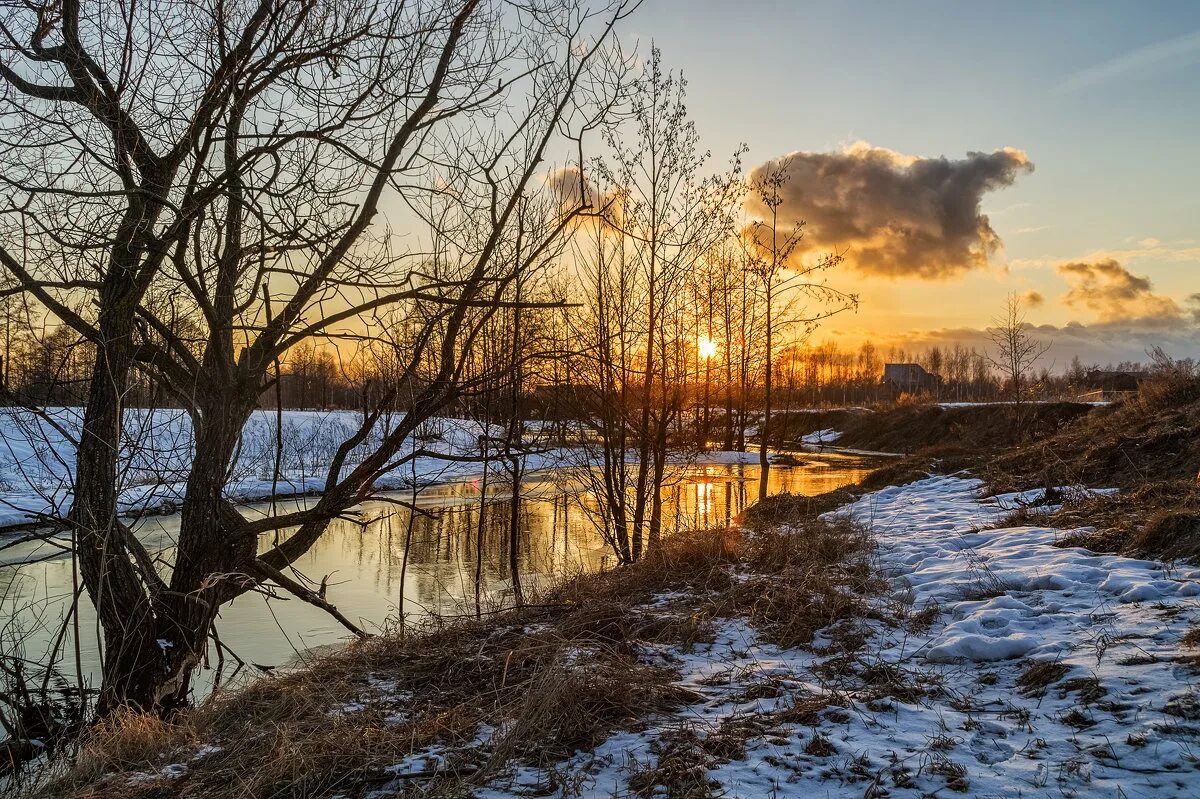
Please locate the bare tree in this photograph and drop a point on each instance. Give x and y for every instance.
(234, 155)
(660, 216)
(772, 264)
(1017, 350)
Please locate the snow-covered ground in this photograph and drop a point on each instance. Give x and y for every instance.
(37, 457)
(994, 664)
(827, 436)
(1119, 716)
(1096, 403)
(37, 460)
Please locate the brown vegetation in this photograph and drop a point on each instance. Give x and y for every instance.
(916, 427)
(1148, 446)
(1152, 436)
(529, 685)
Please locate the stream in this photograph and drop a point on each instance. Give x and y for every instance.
(361, 560)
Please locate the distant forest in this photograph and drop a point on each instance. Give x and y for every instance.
(52, 367)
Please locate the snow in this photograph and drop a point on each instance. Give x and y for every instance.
(1006, 598)
(37, 460)
(1094, 403)
(37, 457)
(827, 436)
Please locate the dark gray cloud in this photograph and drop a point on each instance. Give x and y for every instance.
(1193, 303)
(1117, 296)
(1092, 343)
(892, 214)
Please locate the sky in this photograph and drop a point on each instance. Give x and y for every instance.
(1083, 118)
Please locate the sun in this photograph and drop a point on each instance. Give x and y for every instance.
(706, 347)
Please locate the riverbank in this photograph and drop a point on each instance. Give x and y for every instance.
(37, 460)
(899, 644)
(919, 634)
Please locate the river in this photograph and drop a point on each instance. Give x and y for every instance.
(362, 559)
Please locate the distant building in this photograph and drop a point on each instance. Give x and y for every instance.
(910, 378)
(1102, 380)
(1106, 385)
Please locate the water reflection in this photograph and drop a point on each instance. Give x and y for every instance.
(363, 559)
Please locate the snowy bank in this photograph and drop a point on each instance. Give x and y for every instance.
(827, 436)
(1043, 672)
(37, 457)
(985, 663)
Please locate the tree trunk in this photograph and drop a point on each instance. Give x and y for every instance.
(764, 433)
(514, 530)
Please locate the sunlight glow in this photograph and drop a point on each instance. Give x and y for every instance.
(706, 347)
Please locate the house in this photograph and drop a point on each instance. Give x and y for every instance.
(1101, 385)
(1103, 380)
(910, 378)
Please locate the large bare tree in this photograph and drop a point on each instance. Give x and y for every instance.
(222, 162)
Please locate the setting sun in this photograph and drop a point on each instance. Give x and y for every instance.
(706, 348)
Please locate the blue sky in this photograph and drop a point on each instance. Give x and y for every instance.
(1103, 97)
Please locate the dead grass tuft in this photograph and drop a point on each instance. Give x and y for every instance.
(1040, 675)
(782, 509)
(820, 746)
(1088, 690)
(681, 770)
(128, 741)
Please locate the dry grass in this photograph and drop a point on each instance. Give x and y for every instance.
(547, 681)
(1039, 676)
(767, 515)
(1152, 436)
(806, 577)
(1158, 519)
(920, 427)
(1148, 446)
(531, 685)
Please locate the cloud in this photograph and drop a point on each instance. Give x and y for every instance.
(1193, 303)
(1033, 299)
(892, 214)
(1114, 294)
(1178, 252)
(569, 186)
(1092, 343)
(1160, 55)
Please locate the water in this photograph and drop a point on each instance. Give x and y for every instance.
(361, 560)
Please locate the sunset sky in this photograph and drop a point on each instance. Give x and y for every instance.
(1083, 120)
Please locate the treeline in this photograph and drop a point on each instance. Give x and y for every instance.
(717, 365)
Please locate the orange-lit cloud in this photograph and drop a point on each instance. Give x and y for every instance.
(892, 214)
(1116, 295)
